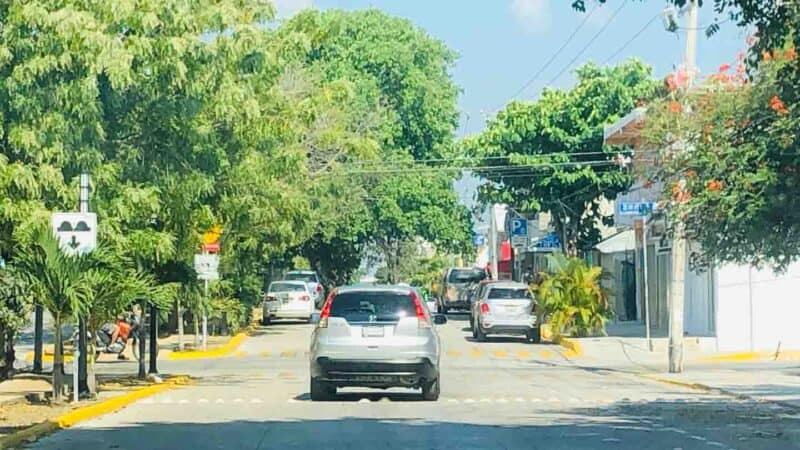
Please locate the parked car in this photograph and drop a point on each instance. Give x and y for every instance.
(287, 300)
(454, 281)
(314, 283)
(505, 307)
(478, 292)
(375, 336)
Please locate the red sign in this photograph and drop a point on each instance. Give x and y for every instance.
(211, 248)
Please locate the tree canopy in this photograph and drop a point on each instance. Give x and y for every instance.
(548, 154)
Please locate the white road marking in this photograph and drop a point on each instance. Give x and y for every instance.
(612, 440)
(202, 400)
(166, 401)
(519, 400)
(501, 400)
(238, 400)
(469, 400)
(183, 401)
(697, 438)
(715, 444)
(292, 400)
(486, 400)
(536, 400)
(452, 400)
(147, 401)
(219, 400)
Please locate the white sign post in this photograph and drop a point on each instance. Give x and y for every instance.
(207, 267)
(76, 231)
(77, 235)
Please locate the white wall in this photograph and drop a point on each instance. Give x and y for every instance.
(757, 309)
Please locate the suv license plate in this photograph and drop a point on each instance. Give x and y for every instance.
(372, 332)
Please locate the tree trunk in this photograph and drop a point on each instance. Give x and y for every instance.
(142, 340)
(91, 375)
(38, 330)
(4, 368)
(58, 363)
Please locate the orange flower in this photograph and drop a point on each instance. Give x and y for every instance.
(714, 186)
(691, 173)
(777, 105)
(724, 68)
(766, 56)
(790, 54)
(675, 107)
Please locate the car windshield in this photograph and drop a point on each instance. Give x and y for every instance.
(373, 306)
(466, 275)
(307, 277)
(501, 293)
(287, 287)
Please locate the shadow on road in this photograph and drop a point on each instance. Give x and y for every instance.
(697, 424)
(351, 397)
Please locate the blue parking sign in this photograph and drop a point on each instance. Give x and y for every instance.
(519, 227)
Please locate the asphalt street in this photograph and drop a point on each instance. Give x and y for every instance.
(502, 394)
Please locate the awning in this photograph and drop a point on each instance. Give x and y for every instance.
(619, 242)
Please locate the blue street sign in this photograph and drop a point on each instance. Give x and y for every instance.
(519, 227)
(547, 243)
(635, 208)
(478, 240)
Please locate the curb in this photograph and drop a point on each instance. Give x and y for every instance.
(707, 388)
(85, 413)
(573, 347)
(231, 346)
(786, 355)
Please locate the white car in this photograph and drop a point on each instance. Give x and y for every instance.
(312, 279)
(287, 300)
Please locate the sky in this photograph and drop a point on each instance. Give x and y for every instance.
(502, 44)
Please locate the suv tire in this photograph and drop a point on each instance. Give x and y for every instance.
(321, 391)
(534, 335)
(430, 390)
(265, 321)
(479, 334)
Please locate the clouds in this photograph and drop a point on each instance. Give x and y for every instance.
(533, 15)
(287, 8)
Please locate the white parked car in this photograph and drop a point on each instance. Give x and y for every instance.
(287, 300)
(312, 279)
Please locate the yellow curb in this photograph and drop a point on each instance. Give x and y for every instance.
(574, 348)
(686, 384)
(46, 358)
(787, 355)
(231, 346)
(76, 416)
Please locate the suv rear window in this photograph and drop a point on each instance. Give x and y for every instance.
(307, 277)
(466, 275)
(286, 287)
(373, 306)
(500, 293)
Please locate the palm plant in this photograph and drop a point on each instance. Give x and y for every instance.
(58, 282)
(572, 298)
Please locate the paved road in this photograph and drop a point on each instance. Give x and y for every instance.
(503, 394)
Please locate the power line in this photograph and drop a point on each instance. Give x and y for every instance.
(480, 168)
(633, 38)
(588, 44)
(555, 54)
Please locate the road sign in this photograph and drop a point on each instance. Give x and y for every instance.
(636, 208)
(212, 236)
(549, 243)
(519, 233)
(478, 240)
(76, 232)
(211, 248)
(207, 266)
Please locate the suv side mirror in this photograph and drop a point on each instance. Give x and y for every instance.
(314, 318)
(440, 319)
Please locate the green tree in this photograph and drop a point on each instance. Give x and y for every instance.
(15, 306)
(548, 155)
(58, 281)
(735, 187)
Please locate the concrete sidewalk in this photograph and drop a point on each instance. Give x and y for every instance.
(763, 376)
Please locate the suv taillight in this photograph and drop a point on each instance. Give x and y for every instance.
(484, 308)
(319, 287)
(326, 312)
(422, 318)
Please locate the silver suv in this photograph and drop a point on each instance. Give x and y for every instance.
(375, 336)
(505, 307)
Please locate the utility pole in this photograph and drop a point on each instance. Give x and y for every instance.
(493, 240)
(679, 244)
(153, 370)
(82, 350)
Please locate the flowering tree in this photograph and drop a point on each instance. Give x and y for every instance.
(729, 158)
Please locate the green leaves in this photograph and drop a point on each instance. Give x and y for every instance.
(553, 149)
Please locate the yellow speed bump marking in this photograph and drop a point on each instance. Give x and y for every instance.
(265, 353)
(546, 353)
(453, 353)
(524, 354)
(500, 353)
(288, 354)
(475, 353)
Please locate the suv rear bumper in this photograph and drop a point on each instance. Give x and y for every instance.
(368, 373)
